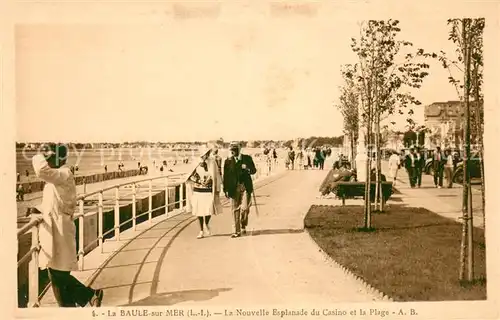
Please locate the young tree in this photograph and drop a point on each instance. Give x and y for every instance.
(472, 41)
(467, 34)
(348, 107)
(385, 77)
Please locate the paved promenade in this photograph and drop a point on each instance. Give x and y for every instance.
(275, 264)
(445, 202)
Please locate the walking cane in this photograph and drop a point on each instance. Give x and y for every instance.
(255, 202)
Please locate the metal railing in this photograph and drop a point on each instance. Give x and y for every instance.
(264, 169)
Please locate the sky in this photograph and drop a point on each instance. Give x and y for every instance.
(255, 77)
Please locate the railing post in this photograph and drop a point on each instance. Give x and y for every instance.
(117, 213)
(189, 193)
(134, 206)
(181, 196)
(150, 198)
(101, 222)
(33, 267)
(166, 196)
(80, 236)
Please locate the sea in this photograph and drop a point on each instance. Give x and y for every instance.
(90, 161)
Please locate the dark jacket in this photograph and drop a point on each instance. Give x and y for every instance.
(408, 161)
(420, 163)
(234, 174)
(438, 164)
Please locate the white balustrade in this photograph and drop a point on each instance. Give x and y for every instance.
(166, 196)
(117, 213)
(181, 196)
(134, 206)
(150, 201)
(81, 247)
(100, 221)
(33, 267)
(189, 194)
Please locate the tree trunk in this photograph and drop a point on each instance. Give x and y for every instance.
(479, 135)
(379, 176)
(368, 208)
(463, 243)
(378, 195)
(467, 199)
(467, 87)
(352, 150)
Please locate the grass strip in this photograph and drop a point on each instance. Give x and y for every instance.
(411, 254)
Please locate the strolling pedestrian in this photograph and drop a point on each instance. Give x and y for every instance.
(394, 164)
(205, 185)
(410, 164)
(402, 158)
(309, 158)
(238, 186)
(438, 161)
(319, 159)
(419, 167)
(300, 159)
(448, 168)
(57, 231)
(18, 179)
(291, 158)
(20, 192)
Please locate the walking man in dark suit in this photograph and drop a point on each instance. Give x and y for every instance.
(410, 165)
(419, 166)
(438, 162)
(238, 186)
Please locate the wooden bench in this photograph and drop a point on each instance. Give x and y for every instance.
(351, 190)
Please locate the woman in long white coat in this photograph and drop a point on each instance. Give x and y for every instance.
(57, 232)
(206, 186)
(394, 164)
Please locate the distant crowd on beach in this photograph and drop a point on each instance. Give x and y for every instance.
(302, 158)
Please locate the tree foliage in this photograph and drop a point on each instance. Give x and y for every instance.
(387, 73)
(388, 70)
(348, 105)
(348, 101)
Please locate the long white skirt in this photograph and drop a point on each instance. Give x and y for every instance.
(202, 204)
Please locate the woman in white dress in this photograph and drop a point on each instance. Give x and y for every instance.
(394, 164)
(206, 189)
(300, 159)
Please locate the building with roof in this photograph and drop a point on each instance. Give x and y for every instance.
(444, 121)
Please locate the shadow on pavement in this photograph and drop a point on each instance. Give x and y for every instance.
(262, 232)
(171, 298)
